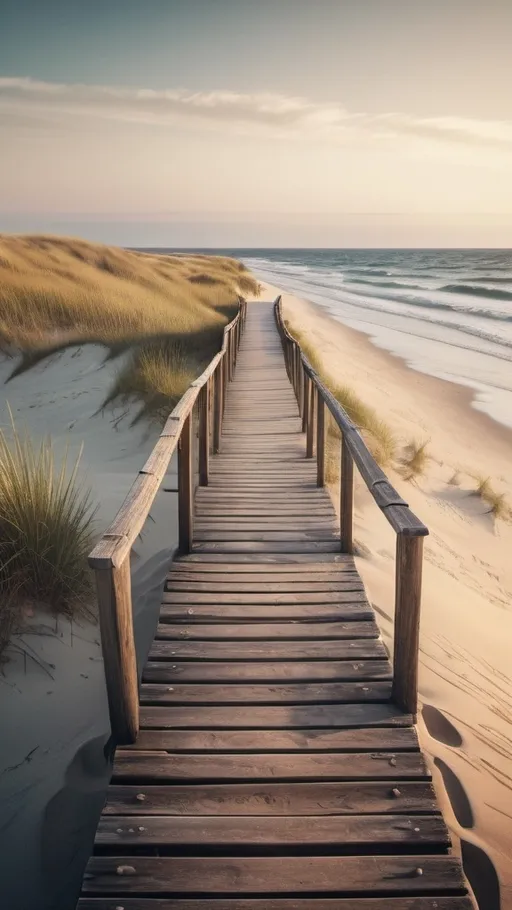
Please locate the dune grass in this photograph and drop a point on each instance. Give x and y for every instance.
(378, 435)
(497, 503)
(165, 312)
(414, 459)
(45, 532)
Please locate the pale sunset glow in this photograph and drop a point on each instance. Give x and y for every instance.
(229, 123)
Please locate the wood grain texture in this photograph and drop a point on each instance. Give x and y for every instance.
(272, 770)
(340, 875)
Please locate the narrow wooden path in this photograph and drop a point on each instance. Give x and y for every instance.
(271, 771)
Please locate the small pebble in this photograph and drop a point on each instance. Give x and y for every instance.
(419, 871)
(396, 792)
(141, 797)
(141, 828)
(392, 762)
(125, 870)
(417, 830)
(170, 689)
(119, 830)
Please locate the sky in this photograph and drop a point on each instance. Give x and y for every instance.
(351, 123)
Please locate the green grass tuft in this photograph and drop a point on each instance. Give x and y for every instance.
(45, 531)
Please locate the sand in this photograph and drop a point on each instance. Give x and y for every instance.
(466, 625)
(54, 757)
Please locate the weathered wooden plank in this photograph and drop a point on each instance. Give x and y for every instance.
(261, 583)
(394, 739)
(340, 875)
(353, 592)
(219, 535)
(285, 571)
(278, 560)
(316, 798)
(261, 631)
(260, 694)
(266, 903)
(361, 649)
(260, 767)
(352, 831)
(246, 613)
(264, 672)
(295, 717)
(273, 548)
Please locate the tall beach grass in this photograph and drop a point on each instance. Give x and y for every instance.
(46, 529)
(166, 312)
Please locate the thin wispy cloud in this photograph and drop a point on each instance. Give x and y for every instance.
(28, 98)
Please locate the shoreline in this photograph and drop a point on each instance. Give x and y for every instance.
(465, 684)
(463, 394)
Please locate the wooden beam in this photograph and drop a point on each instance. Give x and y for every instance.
(118, 646)
(347, 498)
(409, 563)
(185, 487)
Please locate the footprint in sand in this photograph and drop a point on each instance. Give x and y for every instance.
(457, 795)
(482, 876)
(440, 727)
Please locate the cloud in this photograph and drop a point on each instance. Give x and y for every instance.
(29, 98)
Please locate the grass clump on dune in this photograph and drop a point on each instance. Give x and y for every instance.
(57, 292)
(414, 460)
(45, 532)
(378, 435)
(497, 503)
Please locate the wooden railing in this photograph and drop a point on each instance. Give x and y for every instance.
(110, 558)
(313, 397)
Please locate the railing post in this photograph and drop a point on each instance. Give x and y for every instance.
(347, 497)
(409, 564)
(310, 441)
(320, 441)
(204, 433)
(305, 400)
(217, 407)
(113, 586)
(225, 367)
(185, 487)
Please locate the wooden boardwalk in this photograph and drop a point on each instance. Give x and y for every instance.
(272, 770)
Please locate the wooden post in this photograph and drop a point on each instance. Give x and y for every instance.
(305, 400)
(185, 487)
(120, 662)
(310, 442)
(320, 441)
(347, 497)
(217, 407)
(204, 433)
(409, 563)
(225, 366)
(301, 387)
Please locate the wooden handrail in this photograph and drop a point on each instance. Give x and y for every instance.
(110, 558)
(409, 529)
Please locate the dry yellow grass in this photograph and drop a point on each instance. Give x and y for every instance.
(378, 435)
(414, 459)
(56, 292)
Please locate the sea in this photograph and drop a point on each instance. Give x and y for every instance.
(445, 312)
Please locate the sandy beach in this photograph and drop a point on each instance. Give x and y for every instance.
(56, 761)
(466, 628)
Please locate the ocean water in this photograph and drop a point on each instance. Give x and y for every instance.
(445, 312)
